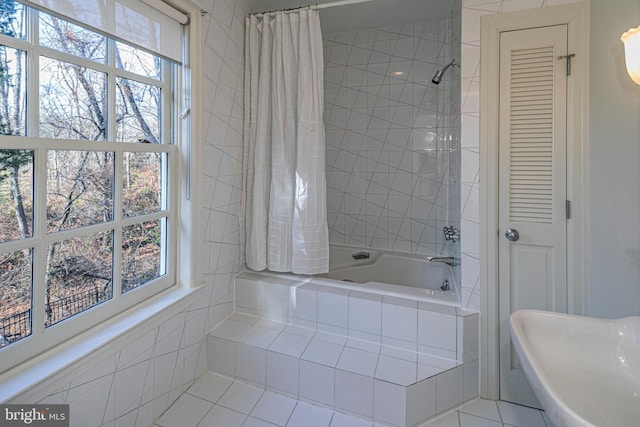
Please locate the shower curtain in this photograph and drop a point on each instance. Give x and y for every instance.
(285, 219)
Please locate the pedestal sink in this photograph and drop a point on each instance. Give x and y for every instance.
(585, 371)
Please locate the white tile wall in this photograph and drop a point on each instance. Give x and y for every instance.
(388, 159)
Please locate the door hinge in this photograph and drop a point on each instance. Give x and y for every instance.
(568, 209)
(568, 58)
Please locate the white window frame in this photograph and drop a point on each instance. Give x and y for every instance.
(183, 188)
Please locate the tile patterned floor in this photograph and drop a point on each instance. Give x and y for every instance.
(217, 401)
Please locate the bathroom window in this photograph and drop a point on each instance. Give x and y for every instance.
(88, 170)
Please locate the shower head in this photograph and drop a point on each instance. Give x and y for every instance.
(437, 78)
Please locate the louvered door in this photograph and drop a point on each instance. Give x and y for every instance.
(532, 182)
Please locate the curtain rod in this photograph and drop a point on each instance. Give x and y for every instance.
(313, 7)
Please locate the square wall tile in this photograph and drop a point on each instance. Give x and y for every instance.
(449, 389)
(365, 313)
(276, 301)
(354, 393)
(333, 307)
(437, 330)
(303, 303)
(221, 355)
(251, 364)
(421, 401)
(282, 373)
(471, 380)
(389, 404)
(399, 322)
(469, 332)
(249, 296)
(317, 383)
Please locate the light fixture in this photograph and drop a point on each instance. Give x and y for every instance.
(631, 40)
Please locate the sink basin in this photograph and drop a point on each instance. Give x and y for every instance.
(585, 371)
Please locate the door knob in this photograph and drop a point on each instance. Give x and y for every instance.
(512, 234)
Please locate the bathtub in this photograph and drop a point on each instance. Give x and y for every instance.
(391, 273)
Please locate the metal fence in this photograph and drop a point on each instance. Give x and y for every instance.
(18, 326)
(15, 327)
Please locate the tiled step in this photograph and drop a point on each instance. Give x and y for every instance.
(386, 377)
(382, 383)
(218, 401)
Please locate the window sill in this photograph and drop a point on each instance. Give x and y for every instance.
(38, 372)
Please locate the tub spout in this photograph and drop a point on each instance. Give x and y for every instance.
(449, 260)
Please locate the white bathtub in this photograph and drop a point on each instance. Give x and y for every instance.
(391, 273)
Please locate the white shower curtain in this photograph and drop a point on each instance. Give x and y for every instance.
(284, 144)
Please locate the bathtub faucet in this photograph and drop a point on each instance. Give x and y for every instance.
(449, 260)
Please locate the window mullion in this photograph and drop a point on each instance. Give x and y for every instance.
(117, 164)
(33, 76)
(111, 92)
(117, 221)
(40, 248)
(39, 259)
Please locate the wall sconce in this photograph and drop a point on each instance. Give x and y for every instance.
(631, 40)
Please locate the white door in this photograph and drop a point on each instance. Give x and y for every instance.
(532, 187)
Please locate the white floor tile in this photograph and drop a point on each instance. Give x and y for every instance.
(363, 345)
(289, 344)
(255, 422)
(244, 318)
(520, 416)
(300, 330)
(241, 397)
(396, 371)
(322, 352)
(210, 386)
(358, 361)
(332, 338)
(219, 416)
(230, 329)
(274, 408)
(187, 411)
(268, 409)
(467, 420)
(343, 420)
(449, 420)
(482, 408)
(307, 415)
(259, 336)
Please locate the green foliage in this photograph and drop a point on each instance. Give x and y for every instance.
(13, 160)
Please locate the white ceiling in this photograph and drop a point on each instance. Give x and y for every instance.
(371, 14)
